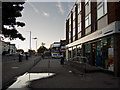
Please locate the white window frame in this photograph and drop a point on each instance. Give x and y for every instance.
(86, 1)
(70, 21)
(69, 34)
(73, 32)
(79, 27)
(102, 5)
(88, 17)
(73, 15)
(79, 7)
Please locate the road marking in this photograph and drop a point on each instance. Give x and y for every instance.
(14, 67)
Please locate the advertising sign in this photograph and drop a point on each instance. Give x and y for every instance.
(110, 59)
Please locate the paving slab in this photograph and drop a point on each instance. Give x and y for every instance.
(68, 77)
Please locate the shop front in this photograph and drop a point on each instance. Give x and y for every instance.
(100, 52)
(100, 48)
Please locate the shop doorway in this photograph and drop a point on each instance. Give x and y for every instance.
(98, 54)
(93, 54)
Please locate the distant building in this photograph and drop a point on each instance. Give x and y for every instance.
(12, 49)
(7, 48)
(93, 31)
(63, 47)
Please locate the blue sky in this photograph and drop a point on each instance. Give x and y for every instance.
(45, 20)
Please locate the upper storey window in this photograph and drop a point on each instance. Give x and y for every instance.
(101, 8)
(87, 13)
(79, 7)
(86, 1)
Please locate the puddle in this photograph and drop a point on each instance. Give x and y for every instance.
(24, 80)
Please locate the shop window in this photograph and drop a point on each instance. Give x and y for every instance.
(79, 50)
(70, 53)
(105, 53)
(88, 52)
(101, 9)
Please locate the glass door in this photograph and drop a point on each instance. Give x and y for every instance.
(98, 54)
(93, 54)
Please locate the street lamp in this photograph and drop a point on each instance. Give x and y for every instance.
(36, 42)
(30, 42)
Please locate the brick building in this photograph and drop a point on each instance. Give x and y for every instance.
(93, 31)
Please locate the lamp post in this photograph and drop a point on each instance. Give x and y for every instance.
(30, 42)
(36, 42)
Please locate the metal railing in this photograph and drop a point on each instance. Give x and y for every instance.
(82, 60)
(79, 59)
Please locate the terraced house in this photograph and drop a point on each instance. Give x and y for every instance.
(93, 31)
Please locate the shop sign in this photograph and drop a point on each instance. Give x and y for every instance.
(110, 59)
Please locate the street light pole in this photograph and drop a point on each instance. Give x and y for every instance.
(30, 43)
(30, 40)
(36, 45)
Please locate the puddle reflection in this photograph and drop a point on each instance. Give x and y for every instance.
(24, 80)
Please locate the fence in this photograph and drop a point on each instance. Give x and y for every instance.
(79, 62)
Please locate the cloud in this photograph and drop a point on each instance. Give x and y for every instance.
(59, 5)
(45, 13)
(37, 11)
(34, 8)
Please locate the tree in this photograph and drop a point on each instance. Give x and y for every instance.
(11, 11)
(41, 49)
(20, 50)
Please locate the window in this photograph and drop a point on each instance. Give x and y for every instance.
(86, 1)
(70, 35)
(79, 18)
(69, 27)
(73, 15)
(88, 20)
(74, 24)
(79, 27)
(69, 20)
(79, 7)
(74, 32)
(101, 9)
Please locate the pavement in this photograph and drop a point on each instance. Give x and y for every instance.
(12, 68)
(68, 77)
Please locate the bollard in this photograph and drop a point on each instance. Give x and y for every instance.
(20, 58)
(26, 57)
(62, 60)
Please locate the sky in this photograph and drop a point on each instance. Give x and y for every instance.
(45, 20)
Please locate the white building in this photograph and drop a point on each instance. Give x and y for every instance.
(7, 47)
